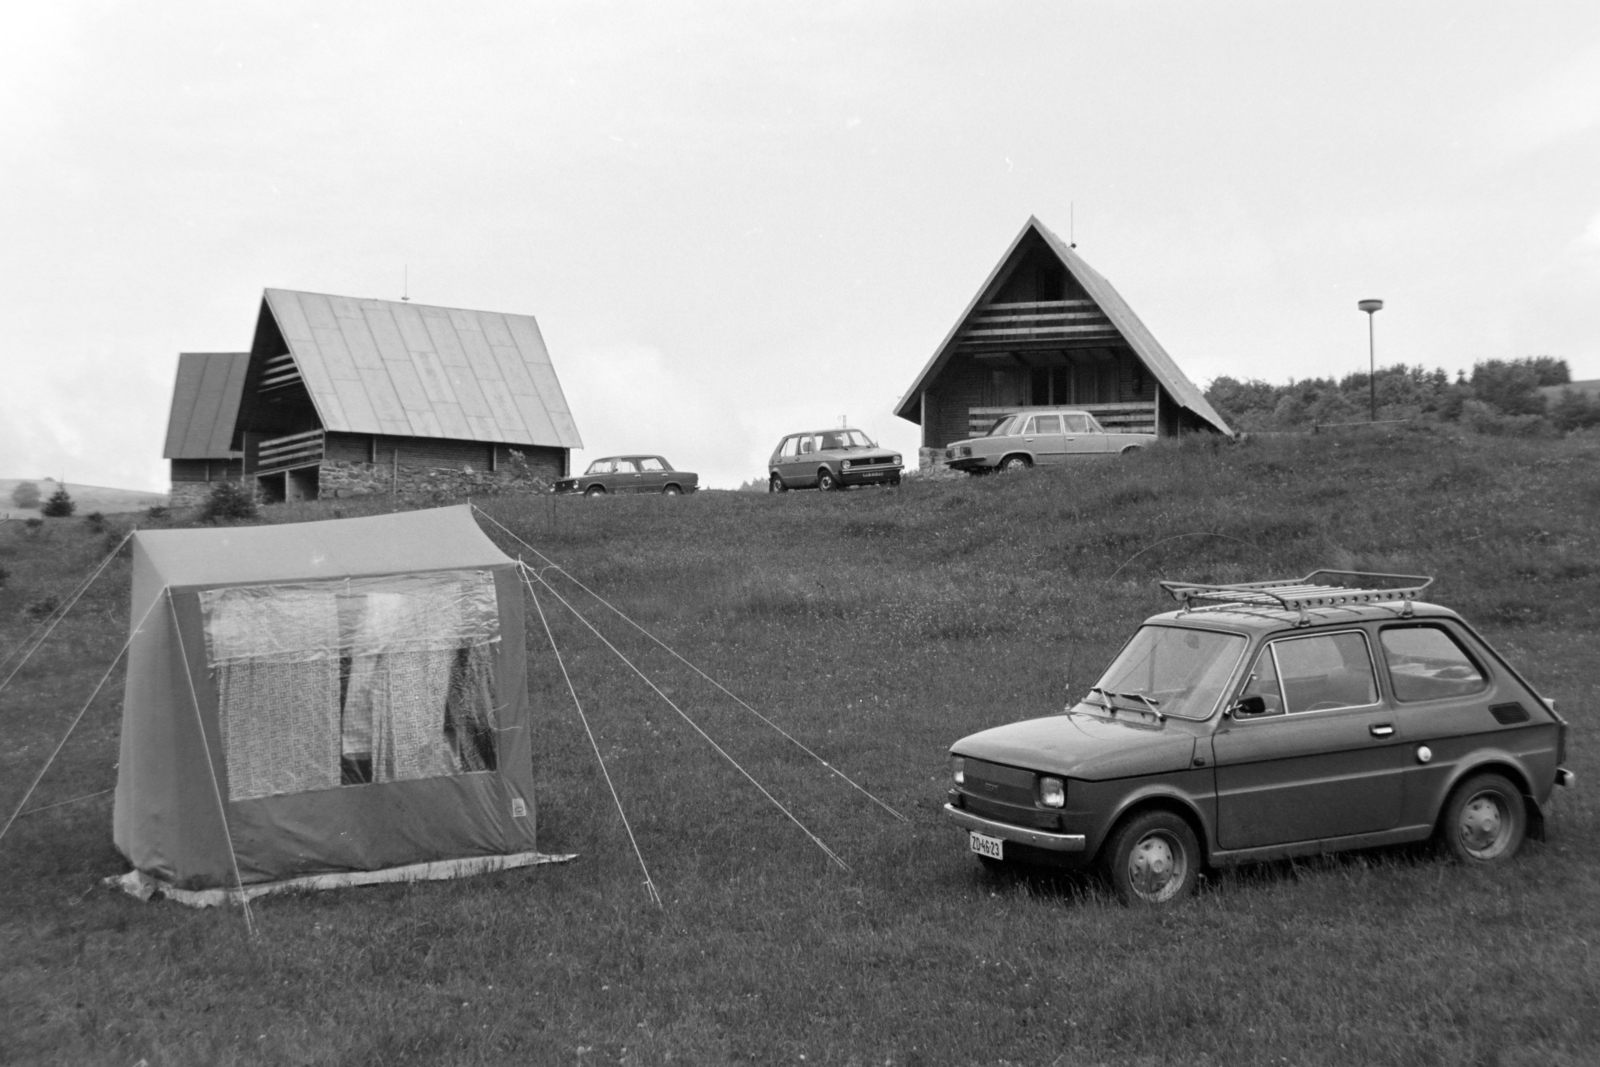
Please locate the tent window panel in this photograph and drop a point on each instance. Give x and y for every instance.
(280, 727)
(350, 682)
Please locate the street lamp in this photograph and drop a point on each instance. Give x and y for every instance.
(1370, 306)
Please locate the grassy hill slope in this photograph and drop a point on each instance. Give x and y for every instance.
(876, 627)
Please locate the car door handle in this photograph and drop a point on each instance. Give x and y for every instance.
(1381, 729)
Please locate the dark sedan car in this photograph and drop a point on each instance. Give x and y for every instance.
(1267, 720)
(630, 474)
(830, 459)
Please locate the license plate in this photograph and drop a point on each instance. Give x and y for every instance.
(984, 845)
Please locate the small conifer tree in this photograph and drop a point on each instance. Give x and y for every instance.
(60, 505)
(229, 502)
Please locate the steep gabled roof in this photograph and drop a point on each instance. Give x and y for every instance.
(412, 370)
(205, 402)
(1161, 366)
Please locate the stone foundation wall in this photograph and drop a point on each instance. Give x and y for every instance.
(190, 494)
(341, 479)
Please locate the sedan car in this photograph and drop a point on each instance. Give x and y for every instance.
(630, 474)
(830, 459)
(1040, 435)
(1268, 720)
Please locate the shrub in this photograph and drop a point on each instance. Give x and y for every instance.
(96, 521)
(60, 505)
(229, 502)
(157, 513)
(33, 524)
(1574, 411)
(42, 609)
(25, 495)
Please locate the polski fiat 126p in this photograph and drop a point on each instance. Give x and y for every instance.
(1265, 720)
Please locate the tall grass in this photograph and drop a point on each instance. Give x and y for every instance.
(877, 627)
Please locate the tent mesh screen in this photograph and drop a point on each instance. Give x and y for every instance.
(355, 681)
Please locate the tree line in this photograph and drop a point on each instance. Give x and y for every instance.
(1498, 396)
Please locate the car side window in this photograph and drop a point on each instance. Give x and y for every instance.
(1049, 424)
(1077, 423)
(1263, 683)
(627, 466)
(602, 466)
(1427, 663)
(651, 463)
(791, 446)
(807, 445)
(1325, 671)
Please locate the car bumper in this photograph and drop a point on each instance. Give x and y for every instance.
(970, 463)
(870, 476)
(1040, 839)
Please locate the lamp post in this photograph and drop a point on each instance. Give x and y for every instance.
(1370, 306)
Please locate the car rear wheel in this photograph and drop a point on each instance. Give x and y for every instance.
(1484, 820)
(595, 490)
(1153, 859)
(1014, 463)
(1131, 449)
(826, 481)
(671, 490)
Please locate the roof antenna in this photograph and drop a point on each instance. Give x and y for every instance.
(405, 286)
(1072, 224)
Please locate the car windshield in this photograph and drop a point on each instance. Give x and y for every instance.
(1003, 426)
(834, 439)
(1171, 670)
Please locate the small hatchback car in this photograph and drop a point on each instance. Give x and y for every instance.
(830, 459)
(1044, 435)
(1266, 720)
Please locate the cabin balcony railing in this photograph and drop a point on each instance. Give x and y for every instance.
(295, 450)
(1128, 416)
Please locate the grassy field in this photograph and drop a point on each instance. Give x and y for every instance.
(877, 627)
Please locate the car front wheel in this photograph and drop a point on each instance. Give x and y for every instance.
(1484, 820)
(1153, 859)
(826, 481)
(671, 490)
(1014, 463)
(595, 490)
(776, 485)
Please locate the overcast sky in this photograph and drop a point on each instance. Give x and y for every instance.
(737, 220)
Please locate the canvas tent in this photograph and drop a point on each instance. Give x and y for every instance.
(328, 699)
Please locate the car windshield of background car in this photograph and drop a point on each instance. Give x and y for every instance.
(857, 439)
(1182, 672)
(602, 466)
(1003, 427)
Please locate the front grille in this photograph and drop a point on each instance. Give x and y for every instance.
(1009, 813)
(996, 782)
(871, 461)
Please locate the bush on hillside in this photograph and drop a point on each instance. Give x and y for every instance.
(25, 495)
(1574, 411)
(59, 506)
(96, 521)
(157, 513)
(229, 502)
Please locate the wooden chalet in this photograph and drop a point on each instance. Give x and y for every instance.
(205, 400)
(345, 395)
(1046, 329)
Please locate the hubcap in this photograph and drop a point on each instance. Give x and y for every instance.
(1484, 826)
(1156, 867)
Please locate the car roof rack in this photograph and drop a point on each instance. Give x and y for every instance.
(1319, 589)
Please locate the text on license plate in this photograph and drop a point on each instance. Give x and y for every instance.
(984, 845)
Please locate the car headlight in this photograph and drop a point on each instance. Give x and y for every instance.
(1052, 792)
(846, 464)
(966, 451)
(958, 770)
(896, 460)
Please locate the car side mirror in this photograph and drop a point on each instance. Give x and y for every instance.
(1251, 705)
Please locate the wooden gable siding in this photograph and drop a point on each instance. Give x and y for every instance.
(207, 470)
(1041, 378)
(382, 449)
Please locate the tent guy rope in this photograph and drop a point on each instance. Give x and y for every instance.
(694, 725)
(61, 613)
(649, 883)
(552, 565)
(75, 720)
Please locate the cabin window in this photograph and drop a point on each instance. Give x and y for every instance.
(322, 684)
(1426, 663)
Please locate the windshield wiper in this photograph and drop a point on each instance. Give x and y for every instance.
(1109, 704)
(1153, 705)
